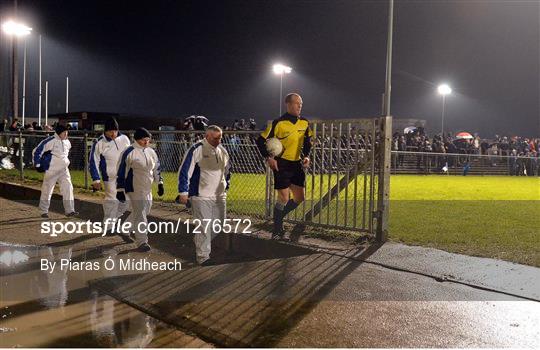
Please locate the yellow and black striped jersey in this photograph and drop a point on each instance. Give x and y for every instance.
(294, 134)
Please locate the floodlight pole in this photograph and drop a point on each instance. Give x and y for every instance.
(280, 70)
(46, 102)
(388, 81)
(15, 77)
(442, 117)
(15, 30)
(67, 94)
(280, 92)
(14, 66)
(39, 103)
(24, 84)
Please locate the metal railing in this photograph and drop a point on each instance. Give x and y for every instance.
(347, 183)
(405, 162)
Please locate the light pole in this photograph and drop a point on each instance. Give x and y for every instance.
(15, 30)
(280, 69)
(443, 90)
(67, 94)
(46, 103)
(40, 85)
(24, 84)
(388, 80)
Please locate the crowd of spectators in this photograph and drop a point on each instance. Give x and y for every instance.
(521, 153)
(242, 124)
(201, 123)
(16, 126)
(30, 142)
(418, 141)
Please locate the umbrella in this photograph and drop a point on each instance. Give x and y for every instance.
(464, 136)
(200, 122)
(409, 129)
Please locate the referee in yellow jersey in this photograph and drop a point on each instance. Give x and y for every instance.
(295, 135)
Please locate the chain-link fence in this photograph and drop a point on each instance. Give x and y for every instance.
(247, 191)
(342, 183)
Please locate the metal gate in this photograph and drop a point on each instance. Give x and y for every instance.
(347, 183)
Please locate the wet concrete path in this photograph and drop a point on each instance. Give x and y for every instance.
(59, 309)
(299, 300)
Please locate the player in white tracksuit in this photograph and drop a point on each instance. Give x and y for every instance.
(104, 157)
(138, 169)
(204, 177)
(51, 157)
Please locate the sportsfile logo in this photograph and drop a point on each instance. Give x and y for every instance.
(54, 228)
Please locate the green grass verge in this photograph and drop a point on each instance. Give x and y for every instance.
(490, 216)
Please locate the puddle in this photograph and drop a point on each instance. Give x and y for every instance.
(9, 257)
(44, 308)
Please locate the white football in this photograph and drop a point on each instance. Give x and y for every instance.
(274, 146)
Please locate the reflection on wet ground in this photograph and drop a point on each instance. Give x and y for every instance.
(57, 309)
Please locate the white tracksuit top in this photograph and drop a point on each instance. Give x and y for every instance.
(205, 171)
(105, 155)
(52, 153)
(138, 169)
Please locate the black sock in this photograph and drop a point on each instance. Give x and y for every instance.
(290, 206)
(278, 217)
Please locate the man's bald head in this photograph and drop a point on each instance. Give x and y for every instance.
(213, 135)
(289, 97)
(294, 104)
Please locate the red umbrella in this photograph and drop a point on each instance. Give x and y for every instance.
(464, 136)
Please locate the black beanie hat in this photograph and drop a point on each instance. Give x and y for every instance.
(59, 129)
(111, 124)
(141, 133)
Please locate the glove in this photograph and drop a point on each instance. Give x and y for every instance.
(96, 186)
(121, 196)
(178, 201)
(160, 190)
(40, 169)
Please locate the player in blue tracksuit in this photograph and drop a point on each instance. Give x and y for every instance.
(51, 157)
(138, 169)
(104, 159)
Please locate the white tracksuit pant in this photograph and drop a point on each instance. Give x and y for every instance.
(141, 203)
(212, 209)
(103, 163)
(54, 292)
(112, 207)
(53, 175)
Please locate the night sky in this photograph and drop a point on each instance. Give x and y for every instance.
(214, 58)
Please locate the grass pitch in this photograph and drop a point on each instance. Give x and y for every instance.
(490, 216)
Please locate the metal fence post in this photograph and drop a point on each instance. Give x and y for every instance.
(383, 193)
(21, 164)
(268, 200)
(85, 140)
